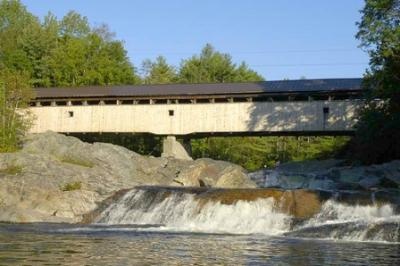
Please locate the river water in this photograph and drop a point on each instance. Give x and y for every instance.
(174, 228)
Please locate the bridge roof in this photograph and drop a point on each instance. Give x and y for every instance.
(170, 90)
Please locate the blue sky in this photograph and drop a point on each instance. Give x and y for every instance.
(278, 39)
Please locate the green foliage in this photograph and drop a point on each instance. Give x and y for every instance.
(146, 144)
(11, 170)
(15, 94)
(158, 72)
(257, 152)
(71, 186)
(377, 138)
(66, 52)
(213, 66)
(17, 26)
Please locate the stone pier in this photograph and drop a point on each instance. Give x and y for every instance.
(175, 149)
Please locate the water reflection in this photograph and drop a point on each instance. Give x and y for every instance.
(45, 245)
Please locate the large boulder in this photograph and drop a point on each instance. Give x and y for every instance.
(211, 173)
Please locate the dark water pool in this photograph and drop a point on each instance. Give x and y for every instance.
(50, 244)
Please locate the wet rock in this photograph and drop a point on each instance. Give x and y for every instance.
(391, 171)
(312, 166)
(322, 184)
(351, 175)
(378, 231)
(320, 176)
(370, 182)
(298, 203)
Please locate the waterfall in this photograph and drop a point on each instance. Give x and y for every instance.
(180, 210)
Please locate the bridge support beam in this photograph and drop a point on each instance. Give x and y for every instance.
(175, 149)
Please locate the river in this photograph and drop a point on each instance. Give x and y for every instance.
(164, 227)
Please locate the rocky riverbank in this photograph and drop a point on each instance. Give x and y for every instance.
(56, 178)
(331, 175)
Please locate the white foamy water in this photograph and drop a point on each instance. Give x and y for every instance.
(355, 222)
(178, 211)
(334, 212)
(182, 212)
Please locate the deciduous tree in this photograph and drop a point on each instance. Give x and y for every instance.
(378, 134)
(15, 93)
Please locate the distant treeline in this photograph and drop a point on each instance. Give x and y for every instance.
(69, 52)
(53, 52)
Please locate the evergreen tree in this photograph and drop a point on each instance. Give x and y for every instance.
(213, 66)
(158, 72)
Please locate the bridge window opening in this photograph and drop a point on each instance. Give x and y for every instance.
(161, 101)
(45, 103)
(344, 97)
(282, 98)
(77, 102)
(61, 103)
(171, 112)
(185, 101)
(110, 102)
(203, 100)
(221, 100)
(321, 97)
(262, 99)
(240, 100)
(70, 113)
(301, 97)
(144, 101)
(326, 110)
(126, 101)
(93, 102)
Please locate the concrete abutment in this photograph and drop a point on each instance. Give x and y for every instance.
(176, 149)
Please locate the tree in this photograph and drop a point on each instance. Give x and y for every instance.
(378, 131)
(56, 53)
(85, 56)
(15, 94)
(158, 72)
(214, 66)
(244, 74)
(73, 25)
(16, 26)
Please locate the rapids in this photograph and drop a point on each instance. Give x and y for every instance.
(198, 210)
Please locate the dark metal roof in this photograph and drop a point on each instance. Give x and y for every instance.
(264, 87)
